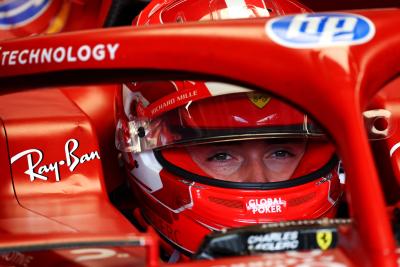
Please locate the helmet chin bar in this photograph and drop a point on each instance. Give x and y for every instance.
(206, 201)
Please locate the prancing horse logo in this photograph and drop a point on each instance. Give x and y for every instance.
(324, 239)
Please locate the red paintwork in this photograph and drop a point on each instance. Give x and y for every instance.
(62, 120)
(387, 156)
(334, 257)
(101, 116)
(333, 84)
(35, 211)
(86, 14)
(87, 250)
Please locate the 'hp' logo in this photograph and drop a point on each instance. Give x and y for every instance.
(320, 30)
(19, 12)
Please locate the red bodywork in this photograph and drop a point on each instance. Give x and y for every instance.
(62, 200)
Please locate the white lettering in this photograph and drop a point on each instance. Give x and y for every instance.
(89, 157)
(333, 30)
(275, 246)
(13, 57)
(34, 56)
(5, 54)
(112, 49)
(59, 54)
(265, 205)
(163, 105)
(20, 59)
(187, 95)
(98, 52)
(70, 57)
(37, 171)
(46, 55)
(69, 154)
(52, 167)
(84, 53)
(333, 27)
(274, 241)
(297, 23)
(28, 153)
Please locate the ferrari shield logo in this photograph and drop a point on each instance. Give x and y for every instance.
(324, 239)
(260, 100)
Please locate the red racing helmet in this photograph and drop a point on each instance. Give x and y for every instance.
(161, 11)
(203, 156)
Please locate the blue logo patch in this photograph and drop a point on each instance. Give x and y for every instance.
(18, 12)
(320, 30)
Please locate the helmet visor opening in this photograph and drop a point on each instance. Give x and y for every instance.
(255, 161)
(237, 116)
(258, 163)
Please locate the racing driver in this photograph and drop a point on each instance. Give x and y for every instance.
(203, 156)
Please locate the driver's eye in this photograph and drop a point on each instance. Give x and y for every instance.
(219, 157)
(281, 154)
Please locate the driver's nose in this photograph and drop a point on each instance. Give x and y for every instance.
(256, 171)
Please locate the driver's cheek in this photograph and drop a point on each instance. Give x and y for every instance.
(279, 169)
(224, 171)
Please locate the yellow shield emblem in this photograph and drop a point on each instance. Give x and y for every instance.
(324, 239)
(260, 100)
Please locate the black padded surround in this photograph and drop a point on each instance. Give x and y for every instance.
(324, 170)
(122, 12)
